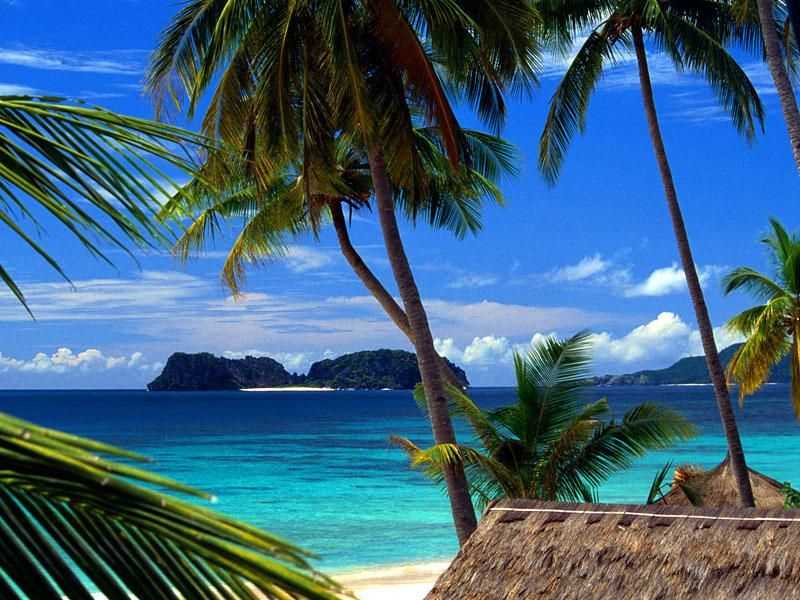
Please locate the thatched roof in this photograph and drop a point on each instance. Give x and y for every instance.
(716, 487)
(525, 550)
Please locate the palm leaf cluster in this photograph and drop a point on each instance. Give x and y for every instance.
(290, 79)
(271, 214)
(97, 173)
(693, 35)
(72, 521)
(771, 329)
(550, 444)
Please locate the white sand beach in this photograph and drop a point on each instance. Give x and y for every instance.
(401, 582)
(289, 389)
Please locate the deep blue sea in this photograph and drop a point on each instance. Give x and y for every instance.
(318, 469)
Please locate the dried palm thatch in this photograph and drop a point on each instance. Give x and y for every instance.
(716, 487)
(526, 549)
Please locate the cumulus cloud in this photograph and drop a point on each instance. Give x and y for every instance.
(64, 360)
(583, 269)
(668, 280)
(293, 361)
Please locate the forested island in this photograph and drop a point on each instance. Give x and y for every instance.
(689, 370)
(367, 370)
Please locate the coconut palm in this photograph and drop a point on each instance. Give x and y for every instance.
(73, 522)
(271, 215)
(287, 77)
(765, 14)
(550, 444)
(771, 329)
(691, 35)
(94, 172)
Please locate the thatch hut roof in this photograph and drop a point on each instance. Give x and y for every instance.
(526, 550)
(716, 487)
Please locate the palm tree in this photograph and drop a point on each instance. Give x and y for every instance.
(282, 209)
(62, 159)
(288, 76)
(550, 445)
(691, 34)
(72, 521)
(775, 61)
(772, 329)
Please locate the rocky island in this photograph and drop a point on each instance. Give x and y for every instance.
(689, 370)
(368, 370)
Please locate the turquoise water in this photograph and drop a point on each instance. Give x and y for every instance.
(317, 468)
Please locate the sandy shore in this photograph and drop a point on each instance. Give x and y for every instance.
(289, 389)
(402, 582)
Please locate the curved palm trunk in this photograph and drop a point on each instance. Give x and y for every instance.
(376, 288)
(427, 358)
(738, 465)
(779, 75)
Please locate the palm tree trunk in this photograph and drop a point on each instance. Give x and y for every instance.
(376, 288)
(427, 358)
(738, 465)
(766, 17)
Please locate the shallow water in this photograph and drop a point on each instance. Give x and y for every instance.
(317, 468)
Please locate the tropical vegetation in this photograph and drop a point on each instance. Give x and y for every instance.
(97, 173)
(692, 35)
(771, 329)
(551, 444)
(73, 522)
(290, 79)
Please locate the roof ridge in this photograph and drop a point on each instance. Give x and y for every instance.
(633, 513)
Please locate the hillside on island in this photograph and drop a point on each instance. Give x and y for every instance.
(367, 370)
(689, 370)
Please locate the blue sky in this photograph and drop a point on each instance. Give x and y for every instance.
(595, 251)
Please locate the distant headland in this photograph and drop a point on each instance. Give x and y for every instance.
(687, 371)
(367, 370)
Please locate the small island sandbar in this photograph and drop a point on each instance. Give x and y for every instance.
(295, 388)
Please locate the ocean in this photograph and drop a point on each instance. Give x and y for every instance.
(317, 467)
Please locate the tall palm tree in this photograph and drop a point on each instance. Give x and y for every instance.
(774, 54)
(96, 173)
(691, 35)
(550, 445)
(772, 329)
(288, 76)
(268, 217)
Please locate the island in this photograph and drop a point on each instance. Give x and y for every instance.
(367, 370)
(687, 371)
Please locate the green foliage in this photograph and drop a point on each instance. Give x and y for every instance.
(692, 34)
(772, 329)
(69, 516)
(791, 496)
(272, 212)
(549, 445)
(92, 171)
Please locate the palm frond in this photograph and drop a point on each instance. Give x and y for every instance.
(92, 171)
(659, 482)
(72, 521)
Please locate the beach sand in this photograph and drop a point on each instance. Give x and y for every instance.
(402, 582)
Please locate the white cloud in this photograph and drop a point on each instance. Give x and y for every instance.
(300, 259)
(583, 269)
(293, 361)
(13, 89)
(668, 280)
(121, 62)
(472, 281)
(658, 337)
(64, 360)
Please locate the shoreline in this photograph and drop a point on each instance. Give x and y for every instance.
(296, 388)
(411, 581)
